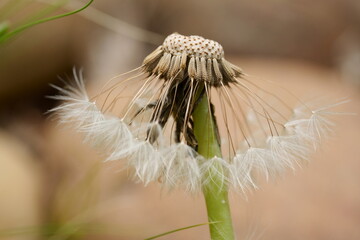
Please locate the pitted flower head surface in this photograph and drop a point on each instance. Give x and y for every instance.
(193, 46)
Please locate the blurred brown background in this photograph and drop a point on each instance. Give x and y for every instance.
(53, 185)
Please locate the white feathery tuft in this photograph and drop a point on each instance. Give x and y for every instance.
(312, 126)
(245, 164)
(78, 112)
(181, 167)
(286, 152)
(76, 107)
(111, 135)
(107, 133)
(147, 162)
(215, 171)
(303, 129)
(313, 129)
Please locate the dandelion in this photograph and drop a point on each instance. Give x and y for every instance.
(194, 120)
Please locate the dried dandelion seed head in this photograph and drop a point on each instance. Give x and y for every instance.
(194, 57)
(258, 131)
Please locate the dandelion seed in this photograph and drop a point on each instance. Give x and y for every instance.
(259, 132)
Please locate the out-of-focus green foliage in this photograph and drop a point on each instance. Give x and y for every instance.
(4, 27)
(14, 18)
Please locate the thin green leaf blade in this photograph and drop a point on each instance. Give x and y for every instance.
(177, 230)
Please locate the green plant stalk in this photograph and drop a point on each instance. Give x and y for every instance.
(215, 192)
(9, 34)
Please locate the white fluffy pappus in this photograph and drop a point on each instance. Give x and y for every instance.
(105, 132)
(147, 162)
(215, 170)
(181, 167)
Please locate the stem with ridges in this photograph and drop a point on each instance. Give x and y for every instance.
(215, 192)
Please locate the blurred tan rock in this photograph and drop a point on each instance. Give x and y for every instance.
(19, 188)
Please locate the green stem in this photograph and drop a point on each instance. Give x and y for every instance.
(215, 192)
